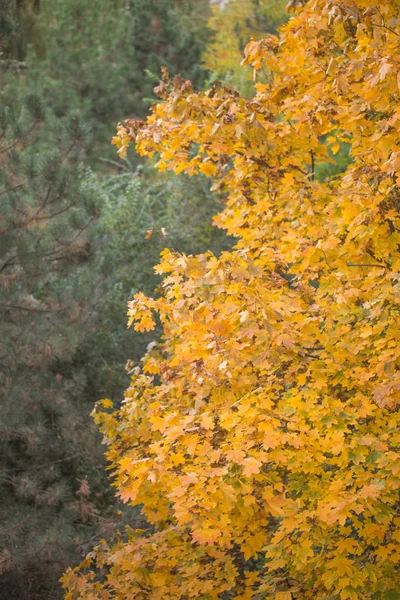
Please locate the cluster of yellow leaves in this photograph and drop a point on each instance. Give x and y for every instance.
(261, 435)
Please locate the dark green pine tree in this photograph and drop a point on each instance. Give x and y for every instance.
(178, 33)
(73, 249)
(26, 14)
(103, 57)
(7, 23)
(51, 473)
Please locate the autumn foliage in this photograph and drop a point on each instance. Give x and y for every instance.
(261, 435)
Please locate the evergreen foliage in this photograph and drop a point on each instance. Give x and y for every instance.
(7, 23)
(103, 57)
(75, 244)
(47, 448)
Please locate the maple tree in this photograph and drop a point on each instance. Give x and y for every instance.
(261, 435)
